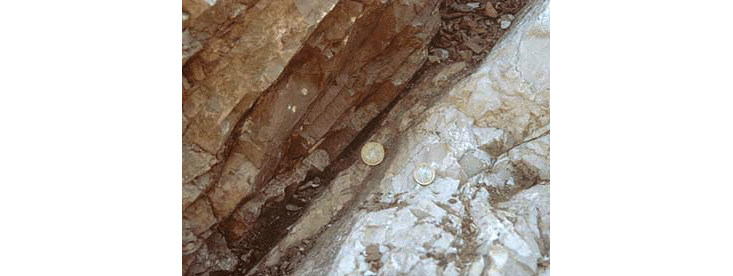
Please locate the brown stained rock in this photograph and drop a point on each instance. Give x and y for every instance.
(187, 260)
(236, 182)
(194, 8)
(243, 55)
(316, 99)
(245, 49)
(200, 215)
(197, 219)
(465, 55)
(474, 44)
(213, 258)
(242, 219)
(350, 182)
(278, 91)
(349, 124)
(194, 188)
(490, 11)
(373, 257)
(331, 129)
(195, 162)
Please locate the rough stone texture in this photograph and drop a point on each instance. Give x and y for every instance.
(193, 8)
(196, 162)
(277, 92)
(233, 50)
(486, 213)
(195, 220)
(214, 255)
(319, 71)
(257, 41)
(319, 106)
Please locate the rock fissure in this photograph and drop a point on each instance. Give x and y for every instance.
(268, 172)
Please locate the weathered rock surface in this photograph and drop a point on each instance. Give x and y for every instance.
(232, 51)
(278, 96)
(486, 213)
(319, 71)
(322, 105)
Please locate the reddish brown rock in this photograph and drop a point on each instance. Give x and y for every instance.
(233, 51)
(197, 219)
(246, 49)
(337, 87)
(277, 91)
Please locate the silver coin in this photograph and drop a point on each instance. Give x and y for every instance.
(424, 174)
(372, 153)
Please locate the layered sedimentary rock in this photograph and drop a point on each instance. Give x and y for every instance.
(486, 213)
(315, 112)
(245, 47)
(279, 95)
(348, 60)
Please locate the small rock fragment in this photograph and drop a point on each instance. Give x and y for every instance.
(442, 54)
(467, 23)
(473, 44)
(292, 207)
(372, 252)
(461, 7)
(479, 30)
(490, 11)
(419, 214)
(465, 55)
(373, 257)
(304, 187)
(506, 20)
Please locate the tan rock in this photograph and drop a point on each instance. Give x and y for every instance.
(268, 37)
(197, 219)
(236, 182)
(490, 11)
(194, 8)
(193, 189)
(200, 216)
(195, 162)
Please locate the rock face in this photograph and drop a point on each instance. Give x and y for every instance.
(486, 213)
(232, 52)
(279, 96)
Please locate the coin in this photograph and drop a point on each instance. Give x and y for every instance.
(372, 153)
(424, 174)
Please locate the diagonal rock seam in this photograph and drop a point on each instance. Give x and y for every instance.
(522, 264)
(345, 154)
(226, 154)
